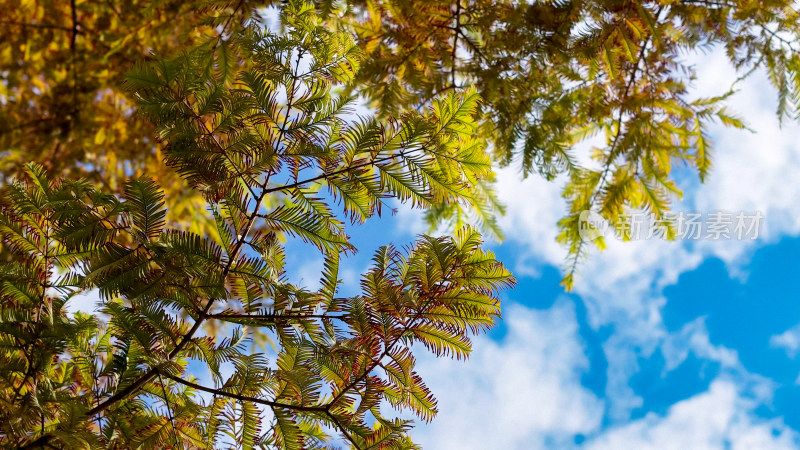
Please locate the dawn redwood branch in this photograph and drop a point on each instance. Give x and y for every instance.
(457, 29)
(329, 174)
(150, 374)
(36, 25)
(74, 28)
(388, 347)
(342, 429)
(275, 317)
(613, 149)
(244, 398)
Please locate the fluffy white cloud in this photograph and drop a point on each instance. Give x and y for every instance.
(521, 392)
(693, 338)
(721, 417)
(534, 207)
(789, 340)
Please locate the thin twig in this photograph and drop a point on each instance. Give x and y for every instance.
(169, 410)
(45, 26)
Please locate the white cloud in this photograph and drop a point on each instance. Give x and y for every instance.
(693, 338)
(534, 206)
(721, 417)
(522, 392)
(789, 340)
(625, 349)
(86, 302)
(408, 221)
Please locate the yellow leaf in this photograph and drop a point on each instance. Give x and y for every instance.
(100, 137)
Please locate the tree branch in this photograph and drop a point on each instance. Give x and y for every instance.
(614, 145)
(75, 24)
(437, 291)
(456, 34)
(244, 398)
(35, 25)
(273, 317)
(149, 375)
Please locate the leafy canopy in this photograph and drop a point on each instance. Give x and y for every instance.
(61, 101)
(552, 75)
(274, 152)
